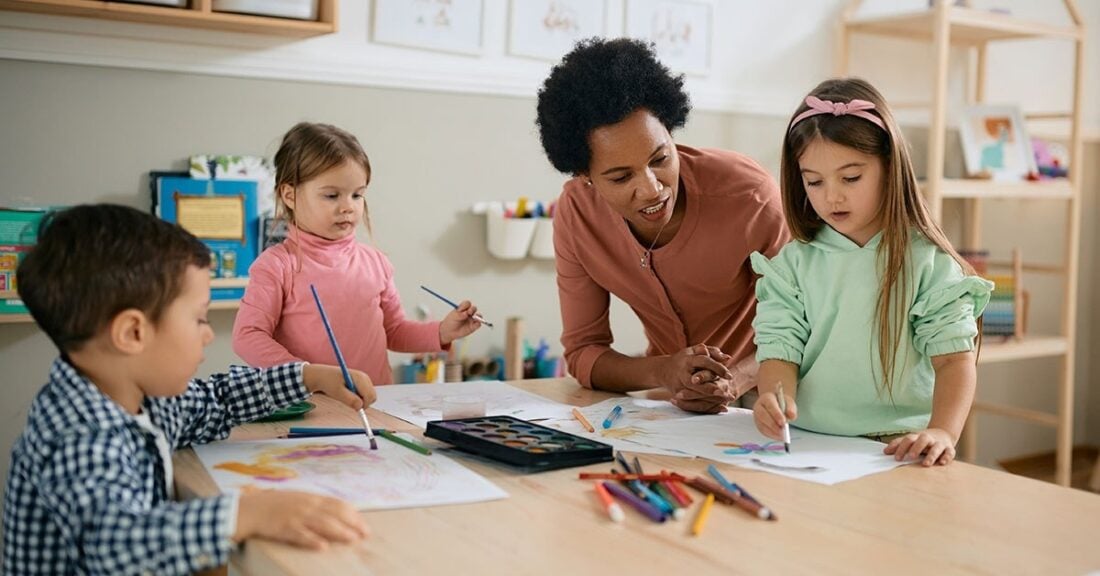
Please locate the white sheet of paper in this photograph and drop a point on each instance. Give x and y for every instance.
(621, 444)
(629, 430)
(839, 457)
(419, 403)
(345, 467)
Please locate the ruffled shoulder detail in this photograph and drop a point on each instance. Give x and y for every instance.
(975, 288)
(774, 275)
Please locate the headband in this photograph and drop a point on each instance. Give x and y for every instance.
(853, 108)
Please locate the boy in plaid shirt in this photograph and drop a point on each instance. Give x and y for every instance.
(124, 297)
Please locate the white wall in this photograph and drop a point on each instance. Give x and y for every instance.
(764, 54)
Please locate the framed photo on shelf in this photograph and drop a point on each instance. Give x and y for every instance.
(995, 142)
(680, 29)
(444, 25)
(547, 29)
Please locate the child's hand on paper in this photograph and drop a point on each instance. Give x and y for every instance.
(936, 446)
(298, 518)
(458, 323)
(769, 418)
(329, 380)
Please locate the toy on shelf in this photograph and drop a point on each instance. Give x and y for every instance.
(1006, 313)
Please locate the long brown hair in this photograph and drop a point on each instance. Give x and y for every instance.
(307, 151)
(902, 208)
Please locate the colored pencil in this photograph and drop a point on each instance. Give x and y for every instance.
(643, 477)
(681, 497)
(701, 517)
(613, 509)
(322, 431)
(343, 367)
(406, 443)
(622, 462)
(453, 305)
(726, 497)
(731, 486)
(584, 421)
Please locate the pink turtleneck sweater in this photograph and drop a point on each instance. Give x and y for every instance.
(278, 321)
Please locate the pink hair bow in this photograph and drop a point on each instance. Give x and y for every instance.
(853, 108)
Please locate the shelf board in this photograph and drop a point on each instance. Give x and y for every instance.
(214, 305)
(1027, 347)
(1058, 189)
(229, 282)
(186, 17)
(968, 26)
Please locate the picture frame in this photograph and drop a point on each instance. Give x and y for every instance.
(444, 25)
(680, 29)
(995, 142)
(548, 29)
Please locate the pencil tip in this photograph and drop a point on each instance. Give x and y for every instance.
(373, 444)
(787, 447)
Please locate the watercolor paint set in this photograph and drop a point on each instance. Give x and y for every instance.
(519, 442)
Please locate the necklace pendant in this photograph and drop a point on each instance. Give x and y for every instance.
(642, 261)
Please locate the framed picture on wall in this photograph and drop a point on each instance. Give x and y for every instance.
(547, 29)
(995, 142)
(445, 25)
(680, 29)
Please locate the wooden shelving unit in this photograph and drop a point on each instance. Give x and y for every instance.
(215, 305)
(198, 14)
(945, 26)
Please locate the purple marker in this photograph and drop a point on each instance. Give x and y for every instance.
(640, 505)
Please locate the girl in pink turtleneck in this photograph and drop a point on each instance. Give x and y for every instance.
(320, 188)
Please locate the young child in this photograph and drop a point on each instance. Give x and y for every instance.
(869, 318)
(320, 186)
(124, 297)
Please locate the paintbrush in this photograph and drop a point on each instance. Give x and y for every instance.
(343, 367)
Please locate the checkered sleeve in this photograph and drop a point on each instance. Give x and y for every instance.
(210, 408)
(93, 486)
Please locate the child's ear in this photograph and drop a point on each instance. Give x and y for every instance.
(130, 331)
(286, 192)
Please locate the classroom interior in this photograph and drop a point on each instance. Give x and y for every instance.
(90, 106)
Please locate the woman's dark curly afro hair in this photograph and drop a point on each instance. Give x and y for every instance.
(601, 82)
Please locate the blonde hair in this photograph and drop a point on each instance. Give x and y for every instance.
(309, 150)
(902, 208)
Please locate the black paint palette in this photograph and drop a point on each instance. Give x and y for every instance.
(519, 442)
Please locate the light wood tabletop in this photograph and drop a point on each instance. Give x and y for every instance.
(958, 519)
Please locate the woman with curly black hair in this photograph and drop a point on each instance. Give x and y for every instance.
(666, 228)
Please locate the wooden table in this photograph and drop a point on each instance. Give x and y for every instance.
(945, 520)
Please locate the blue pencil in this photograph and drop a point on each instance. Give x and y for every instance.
(343, 367)
(453, 305)
(311, 431)
(713, 471)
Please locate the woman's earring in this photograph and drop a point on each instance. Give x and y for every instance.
(589, 183)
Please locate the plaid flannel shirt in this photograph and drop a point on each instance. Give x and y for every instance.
(87, 495)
